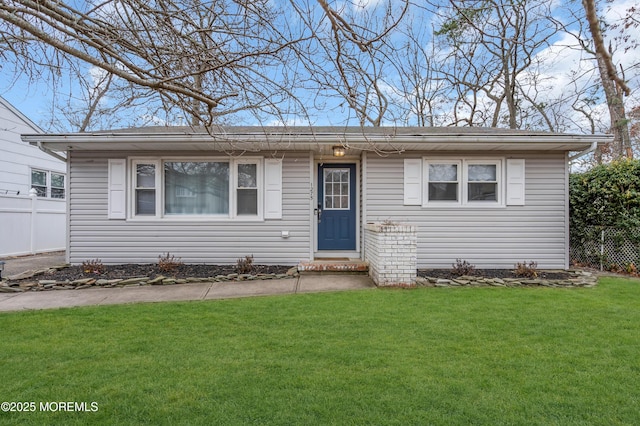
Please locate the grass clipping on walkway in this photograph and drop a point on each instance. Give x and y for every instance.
(424, 356)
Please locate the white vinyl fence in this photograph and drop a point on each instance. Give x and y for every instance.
(30, 225)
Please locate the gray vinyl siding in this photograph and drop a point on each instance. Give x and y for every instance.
(93, 236)
(485, 237)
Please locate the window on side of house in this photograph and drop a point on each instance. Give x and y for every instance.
(176, 188)
(482, 181)
(57, 185)
(48, 184)
(443, 182)
(247, 181)
(196, 188)
(39, 182)
(463, 182)
(145, 183)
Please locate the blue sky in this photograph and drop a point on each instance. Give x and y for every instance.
(35, 98)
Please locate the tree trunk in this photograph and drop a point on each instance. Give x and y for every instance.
(614, 87)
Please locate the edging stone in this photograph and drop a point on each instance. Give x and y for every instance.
(577, 279)
(14, 286)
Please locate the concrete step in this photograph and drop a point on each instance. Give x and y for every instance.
(334, 266)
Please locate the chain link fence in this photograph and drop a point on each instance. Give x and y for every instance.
(606, 248)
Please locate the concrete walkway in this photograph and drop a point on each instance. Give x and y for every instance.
(18, 264)
(198, 291)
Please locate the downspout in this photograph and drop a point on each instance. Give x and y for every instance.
(589, 150)
(48, 151)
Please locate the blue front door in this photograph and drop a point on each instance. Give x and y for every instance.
(336, 207)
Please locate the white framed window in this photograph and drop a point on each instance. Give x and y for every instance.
(39, 182)
(195, 188)
(57, 185)
(443, 181)
(48, 183)
(483, 182)
(205, 182)
(336, 189)
(145, 183)
(463, 182)
(248, 186)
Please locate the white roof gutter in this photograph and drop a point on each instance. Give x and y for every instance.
(53, 154)
(589, 150)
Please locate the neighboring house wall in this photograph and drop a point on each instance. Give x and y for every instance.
(17, 158)
(27, 226)
(93, 235)
(486, 237)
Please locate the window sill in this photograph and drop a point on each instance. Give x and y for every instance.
(470, 206)
(194, 219)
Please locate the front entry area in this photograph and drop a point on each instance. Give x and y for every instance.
(337, 205)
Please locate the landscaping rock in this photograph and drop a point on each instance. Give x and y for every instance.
(157, 280)
(82, 287)
(11, 289)
(421, 281)
(21, 276)
(84, 281)
(573, 279)
(136, 280)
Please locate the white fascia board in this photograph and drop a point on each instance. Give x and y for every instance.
(315, 141)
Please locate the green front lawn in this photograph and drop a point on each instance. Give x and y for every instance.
(427, 356)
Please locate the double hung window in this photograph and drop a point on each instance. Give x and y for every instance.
(48, 184)
(444, 182)
(57, 185)
(39, 182)
(467, 182)
(247, 189)
(145, 192)
(482, 182)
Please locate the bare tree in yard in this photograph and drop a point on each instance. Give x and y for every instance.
(206, 59)
(422, 87)
(614, 87)
(610, 84)
(349, 55)
(493, 46)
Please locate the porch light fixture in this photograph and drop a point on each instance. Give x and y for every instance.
(338, 151)
(1, 269)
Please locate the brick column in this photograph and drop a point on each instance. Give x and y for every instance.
(391, 250)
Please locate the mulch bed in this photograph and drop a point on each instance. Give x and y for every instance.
(151, 270)
(491, 273)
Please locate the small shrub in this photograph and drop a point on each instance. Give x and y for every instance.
(168, 262)
(93, 266)
(631, 269)
(245, 266)
(462, 267)
(526, 270)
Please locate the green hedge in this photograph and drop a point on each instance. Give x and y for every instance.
(604, 207)
(606, 196)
